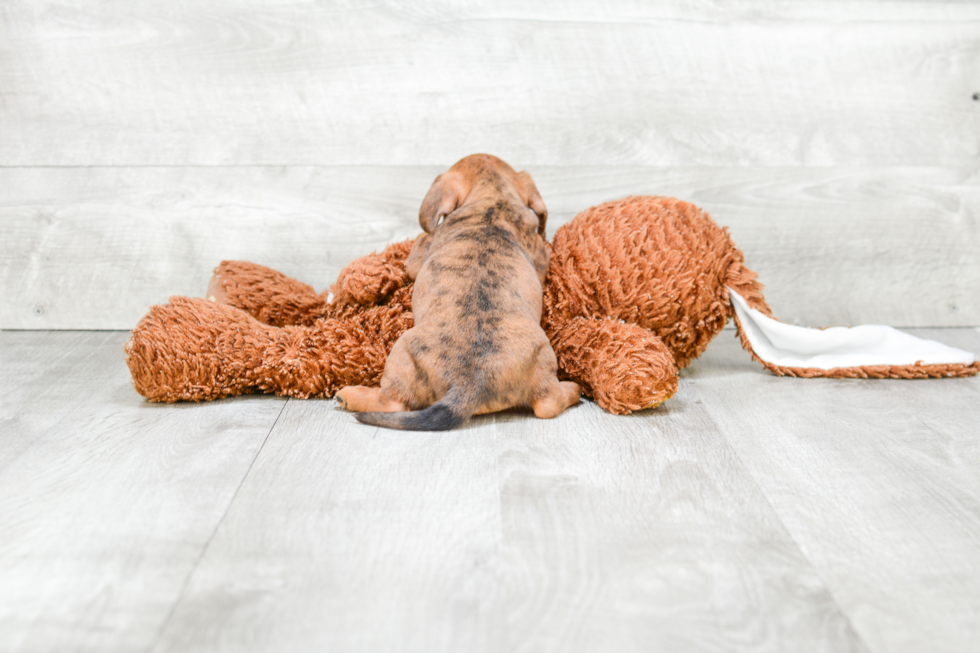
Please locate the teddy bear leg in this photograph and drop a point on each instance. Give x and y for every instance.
(216, 288)
(267, 295)
(622, 366)
(196, 350)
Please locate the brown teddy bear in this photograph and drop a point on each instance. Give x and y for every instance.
(636, 289)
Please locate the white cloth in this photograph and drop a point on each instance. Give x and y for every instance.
(786, 345)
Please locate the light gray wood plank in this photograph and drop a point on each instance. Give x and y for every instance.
(644, 533)
(345, 538)
(587, 532)
(877, 481)
(511, 534)
(94, 247)
(106, 502)
(751, 82)
(32, 368)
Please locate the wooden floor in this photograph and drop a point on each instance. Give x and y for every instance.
(749, 513)
(142, 142)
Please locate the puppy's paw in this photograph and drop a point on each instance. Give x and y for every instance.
(363, 399)
(343, 398)
(561, 395)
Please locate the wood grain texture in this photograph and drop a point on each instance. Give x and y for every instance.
(106, 502)
(877, 481)
(94, 247)
(751, 82)
(749, 513)
(587, 532)
(644, 533)
(347, 539)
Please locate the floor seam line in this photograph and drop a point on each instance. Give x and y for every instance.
(789, 534)
(214, 531)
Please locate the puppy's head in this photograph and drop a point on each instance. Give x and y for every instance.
(479, 173)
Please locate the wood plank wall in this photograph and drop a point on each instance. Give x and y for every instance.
(142, 142)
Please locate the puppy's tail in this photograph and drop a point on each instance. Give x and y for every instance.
(447, 413)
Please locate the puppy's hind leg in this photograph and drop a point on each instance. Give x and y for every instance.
(396, 388)
(561, 395)
(552, 396)
(361, 399)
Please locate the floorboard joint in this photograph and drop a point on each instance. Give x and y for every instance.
(692, 387)
(207, 545)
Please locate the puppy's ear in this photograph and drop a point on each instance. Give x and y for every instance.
(531, 197)
(444, 197)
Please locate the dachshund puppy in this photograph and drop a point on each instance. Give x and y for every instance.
(477, 345)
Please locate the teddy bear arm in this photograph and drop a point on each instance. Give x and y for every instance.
(372, 279)
(624, 367)
(266, 294)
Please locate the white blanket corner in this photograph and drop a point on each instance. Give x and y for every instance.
(786, 345)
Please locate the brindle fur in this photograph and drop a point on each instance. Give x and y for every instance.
(477, 345)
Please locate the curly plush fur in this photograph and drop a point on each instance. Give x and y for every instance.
(636, 289)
